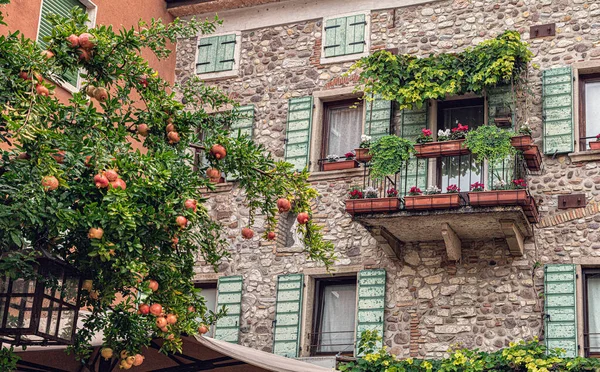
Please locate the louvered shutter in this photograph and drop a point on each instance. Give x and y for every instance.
(414, 173)
(371, 303)
(225, 53)
(229, 294)
(244, 125)
(378, 117)
(497, 99)
(207, 52)
(288, 315)
(62, 8)
(355, 34)
(335, 37)
(299, 124)
(557, 110)
(560, 322)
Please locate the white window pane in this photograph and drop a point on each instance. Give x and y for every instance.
(210, 298)
(338, 318)
(345, 129)
(592, 111)
(461, 171)
(593, 299)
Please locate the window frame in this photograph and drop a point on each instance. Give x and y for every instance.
(347, 57)
(234, 72)
(92, 10)
(583, 80)
(317, 311)
(327, 107)
(209, 285)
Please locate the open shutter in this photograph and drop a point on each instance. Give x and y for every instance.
(299, 122)
(207, 52)
(378, 116)
(557, 114)
(229, 294)
(225, 53)
(371, 303)
(288, 315)
(244, 125)
(560, 322)
(355, 34)
(499, 99)
(335, 37)
(414, 172)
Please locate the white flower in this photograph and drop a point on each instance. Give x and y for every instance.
(500, 184)
(432, 190)
(370, 192)
(332, 157)
(365, 138)
(444, 133)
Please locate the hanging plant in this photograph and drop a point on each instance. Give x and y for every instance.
(488, 142)
(389, 155)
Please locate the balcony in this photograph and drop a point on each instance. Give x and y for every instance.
(504, 212)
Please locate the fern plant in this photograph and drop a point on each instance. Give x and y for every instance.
(389, 155)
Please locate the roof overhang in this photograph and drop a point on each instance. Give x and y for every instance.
(182, 8)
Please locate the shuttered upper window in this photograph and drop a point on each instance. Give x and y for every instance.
(345, 36)
(216, 53)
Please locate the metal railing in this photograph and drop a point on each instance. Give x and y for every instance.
(331, 345)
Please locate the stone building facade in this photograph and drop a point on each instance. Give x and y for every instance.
(490, 296)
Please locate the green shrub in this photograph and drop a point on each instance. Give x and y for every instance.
(389, 155)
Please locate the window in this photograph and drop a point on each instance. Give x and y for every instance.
(589, 110)
(460, 170)
(342, 127)
(218, 55)
(334, 316)
(345, 38)
(209, 292)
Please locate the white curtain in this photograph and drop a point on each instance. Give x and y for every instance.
(593, 299)
(338, 319)
(345, 129)
(592, 111)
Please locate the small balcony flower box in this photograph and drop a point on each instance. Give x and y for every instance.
(339, 165)
(372, 205)
(533, 158)
(441, 148)
(434, 201)
(363, 155)
(496, 198)
(522, 143)
(595, 145)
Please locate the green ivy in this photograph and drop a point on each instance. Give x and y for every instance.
(490, 143)
(411, 80)
(390, 153)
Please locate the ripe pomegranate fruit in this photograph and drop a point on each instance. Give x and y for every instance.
(153, 285)
(138, 359)
(94, 295)
(50, 183)
(87, 41)
(101, 181)
(170, 127)
(124, 354)
(247, 233)
(173, 137)
(181, 221)
(191, 204)
(202, 329)
(156, 309)
(42, 90)
(271, 235)
(164, 329)
(59, 157)
(283, 205)
(106, 353)
(119, 183)
(143, 130)
(144, 309)
(112, 175)
(214, 174)
(171, 318)
(90, 90)
(101, 94)
(95, 233)
(303, 218)
(73, 40)
(218, 151)
(84, 55)
(191, 309)
(47, 54)
(161, 322)
(23, 75)
(125, 364)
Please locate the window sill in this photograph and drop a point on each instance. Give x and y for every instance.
(584, 156)
(219, 187)
(346, 58)
(333, 175)
(219, 75)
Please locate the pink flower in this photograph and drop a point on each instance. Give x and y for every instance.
(415, 191)
(477, 186)
(426, 132)
(452, 189)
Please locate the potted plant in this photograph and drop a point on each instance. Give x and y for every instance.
(362, 152)
(449, 143)
(432, 198)
(389, 153)
(522, 140)
(502, 194)
(366, 201)
(595, 145)
(392, 193)
(452, 189)
(333, 162)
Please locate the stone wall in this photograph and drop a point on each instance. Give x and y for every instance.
(487, 299)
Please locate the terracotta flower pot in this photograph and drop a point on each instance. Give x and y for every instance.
(442, 148)
(339, 165)
(595, 145)
(435, 201)
(363, 155)
(522, 143)
(533, 158)
(499, 197)
(371, 205)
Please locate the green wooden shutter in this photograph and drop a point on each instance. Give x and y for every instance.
(560, 309)
(229, 294)
(225, 53)
(335, 37)
(63, 8)
(414, 173)
(288, 315)
(244, 125)
(497, 98)
(355, 34)
(207, 52)
(371, 302)
(378, 116)
(557, 110)
(299, 122)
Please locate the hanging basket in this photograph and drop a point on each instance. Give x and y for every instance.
(363, 155)
(533, 158)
